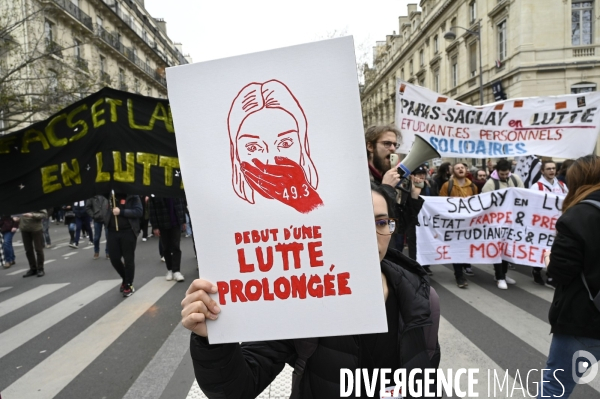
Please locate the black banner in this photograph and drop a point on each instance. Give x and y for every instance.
(109, 140)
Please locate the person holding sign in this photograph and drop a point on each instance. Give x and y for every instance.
(550, 184)
(245, 370)
(575, 267)
(502, 178)
(122, 223)
(459, 186)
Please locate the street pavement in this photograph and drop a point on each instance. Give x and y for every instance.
(71, 334)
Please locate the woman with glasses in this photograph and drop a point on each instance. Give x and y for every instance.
(246, 369)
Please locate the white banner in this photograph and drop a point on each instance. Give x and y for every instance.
(565, 126)
(513, 224)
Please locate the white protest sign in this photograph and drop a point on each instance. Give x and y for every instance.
(513, 224)
(565, 126)
(273, 158)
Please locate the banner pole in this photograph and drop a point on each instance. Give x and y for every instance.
(114, 206)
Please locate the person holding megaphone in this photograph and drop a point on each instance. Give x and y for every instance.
(396, 179)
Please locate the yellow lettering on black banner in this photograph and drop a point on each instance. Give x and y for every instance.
(170, 116)
(80, 123)
(147, 160)
(49, 179)
(5, 143)
(160, 113)
(127, 175)
(114, 103)
(95, 114)
(101, 177)
(31, 136)
(55, 141)
(169, 163)
(69, 175)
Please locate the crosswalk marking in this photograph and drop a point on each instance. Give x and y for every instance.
(17, 271)
(459, 350)
(28, 297)
(59, 246)
(531, 330)
(524, 282)
(4, 288)
(49, 261)
(50, 376)
(18, 335)
(152, 381)
(69, 254)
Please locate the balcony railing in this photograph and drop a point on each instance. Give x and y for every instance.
(123, 87)
(54, 48)
(81, 64)
(104, 77)
(584, 52)
(114, 42)
(76, 12)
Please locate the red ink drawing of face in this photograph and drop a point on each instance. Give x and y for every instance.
(269, 150)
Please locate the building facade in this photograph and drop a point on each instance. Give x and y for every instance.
(75, 47)
(528, 48)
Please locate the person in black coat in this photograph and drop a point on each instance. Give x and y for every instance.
(574, 262)
(245, 370)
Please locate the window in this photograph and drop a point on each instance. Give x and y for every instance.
(583, 88)
(2, 124)
(136, 85)
(410, 68)
(502, 40)
(402, 74)
(49, 31)
(422, 81)
(454, 71)
(436, 80)
(77, 48)
(122, 79)
(472, 11)
(102, 64)
(100, 22)
(149, 91)
(436, 44)
(52, 82)
(581, 22)
(473, 59)
(421, 58)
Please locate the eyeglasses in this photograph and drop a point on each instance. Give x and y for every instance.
(388, 144)
(385, 227)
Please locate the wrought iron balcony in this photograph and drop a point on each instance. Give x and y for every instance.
(104, 77)
(54, 48)
(81, 64)
(76, 12)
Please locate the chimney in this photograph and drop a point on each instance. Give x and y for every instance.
(162, 25)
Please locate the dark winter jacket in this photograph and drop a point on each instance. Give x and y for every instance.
(407, 209)
(245, 370)
(576, 249)
(159, 212)
(7, 223)
(132, 210)
(95, 207)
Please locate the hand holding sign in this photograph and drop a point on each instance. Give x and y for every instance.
(198, 306)
(285, 181)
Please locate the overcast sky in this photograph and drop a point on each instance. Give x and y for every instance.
(211, 29)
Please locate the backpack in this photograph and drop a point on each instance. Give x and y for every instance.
(595, 299)
(497, 182)
(451, 185)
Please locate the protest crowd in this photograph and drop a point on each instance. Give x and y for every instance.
(122, 217)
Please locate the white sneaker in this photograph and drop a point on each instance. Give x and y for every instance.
(162, 259)
(178, 277)
(502, 284)
(169, 275)
(144, 239)
(510, 280)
